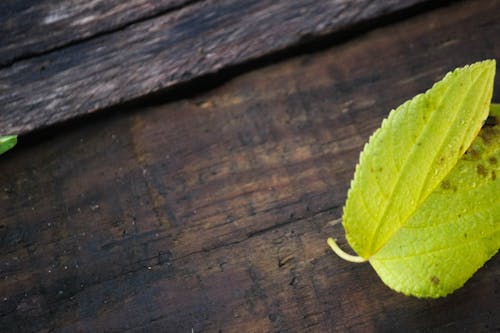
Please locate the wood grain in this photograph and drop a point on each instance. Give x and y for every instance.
(33, 27)
(164, 51)
(210, 214)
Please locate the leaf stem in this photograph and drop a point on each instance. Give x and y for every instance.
(342, 254)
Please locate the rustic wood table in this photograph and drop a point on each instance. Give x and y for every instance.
(180, 162)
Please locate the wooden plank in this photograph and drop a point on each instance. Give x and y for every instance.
(211, 213)
(34, 27)
(164, 51)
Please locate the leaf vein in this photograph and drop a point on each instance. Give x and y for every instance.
(462, 244)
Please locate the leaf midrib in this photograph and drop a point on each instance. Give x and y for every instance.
(399, 180)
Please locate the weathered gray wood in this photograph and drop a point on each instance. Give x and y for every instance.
(211, 213)
(32, 27)
(164, 51)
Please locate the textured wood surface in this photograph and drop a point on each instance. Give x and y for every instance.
(159, 53)
(34, 27)
(210, 214)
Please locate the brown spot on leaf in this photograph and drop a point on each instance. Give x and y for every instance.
(434, 280)
(446, 185)
(473, 154)
(488, 134)
(493, 175)
(481, 170)
(379, 169)
(492, 160)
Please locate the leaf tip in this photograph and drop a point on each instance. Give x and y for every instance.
(7, 142)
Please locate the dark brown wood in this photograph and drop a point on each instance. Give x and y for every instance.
(211, 213)
(161, 52)
(33, 27)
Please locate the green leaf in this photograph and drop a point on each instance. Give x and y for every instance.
(425, 215)
(454, 232)
(7, 142)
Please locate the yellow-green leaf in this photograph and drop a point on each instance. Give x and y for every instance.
(411, 201)
(454, 231)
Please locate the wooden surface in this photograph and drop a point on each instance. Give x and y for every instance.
(211, 213)
(152, 54)
(34, 27)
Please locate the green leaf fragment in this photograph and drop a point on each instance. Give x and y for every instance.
(7, 142)
(424, 214)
